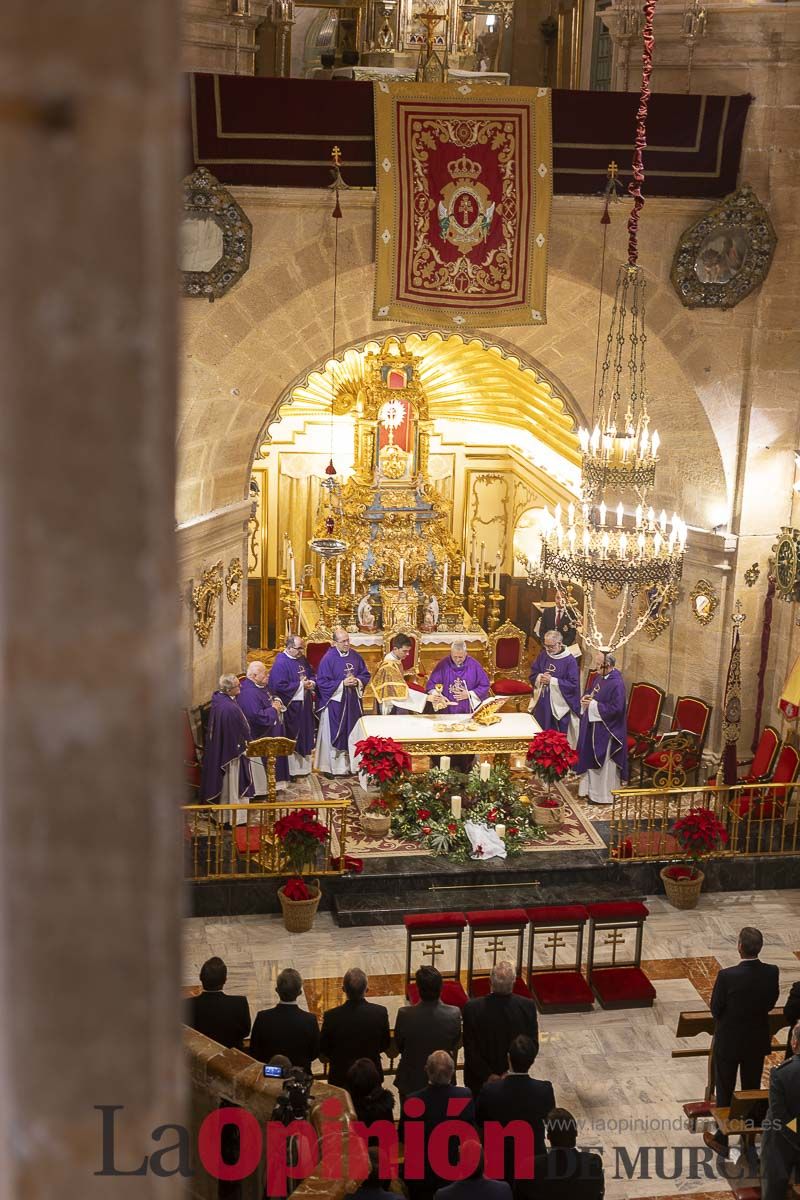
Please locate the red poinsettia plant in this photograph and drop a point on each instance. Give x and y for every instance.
(550, 755)
(300, 835)
(698, 834)
(379, 805)
(383, 760)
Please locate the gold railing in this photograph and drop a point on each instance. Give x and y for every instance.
(218, 846)
(759, 819)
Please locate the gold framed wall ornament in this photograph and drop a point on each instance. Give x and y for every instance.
(657, 602)
(215, 238)
(704, 601)
(204, 599)
(233, 580)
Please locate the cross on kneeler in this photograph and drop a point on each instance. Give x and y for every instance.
(434, 948)
(554, 941)
(494, 946)
(614, 938)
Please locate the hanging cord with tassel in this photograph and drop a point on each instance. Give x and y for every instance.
(635, 186)
(336, 186)
(611, 192)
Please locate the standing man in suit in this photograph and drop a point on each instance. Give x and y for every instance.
(559, 617)
(422, 1028)
(490, 1025)
(440, 1070)
(740, 1004)
(564, 1172)
(225, 1019)
(476, 1186)
(517, 1097)
(286, 1028)
(356, 1029)
(780, 1143)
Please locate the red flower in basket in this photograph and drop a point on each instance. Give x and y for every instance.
(296, 889)
(382, 759)
(699, 834)
(550, 755)
(300, 835)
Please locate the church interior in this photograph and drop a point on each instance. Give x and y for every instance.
(418, 590)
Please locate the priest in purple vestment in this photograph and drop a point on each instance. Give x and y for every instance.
(461, 679)
(292, 681)
(341, 679)
(226, 777)
(603, 741)
(265, 717)
(555, 676)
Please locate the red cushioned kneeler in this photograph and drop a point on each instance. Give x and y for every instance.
(492, 926)
(618, 984)
(431, 933)
(511, 687)
(748, 1192)
(248, 837)
(559, 987)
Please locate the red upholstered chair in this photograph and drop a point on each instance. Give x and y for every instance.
(429, 932)
(762, 804)
(191, 756)
(556, 985)
(644, 710)
(507, 646)
(315, 652)
(487, 931)
(676, 755)
(620, 982)
(410, 663)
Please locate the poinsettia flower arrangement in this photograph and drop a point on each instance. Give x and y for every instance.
(300, 835)
(383, 760)
(425, 814)
(550, 755)
(699, 833)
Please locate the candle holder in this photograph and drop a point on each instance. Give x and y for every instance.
(493, 620)
(352, 610)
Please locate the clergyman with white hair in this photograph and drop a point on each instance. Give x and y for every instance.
(490, 1025)
(226, 777)
(603, 736)
(458, 684)
(264, 714)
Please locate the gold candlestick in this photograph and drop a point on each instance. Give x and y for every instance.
(493, 619)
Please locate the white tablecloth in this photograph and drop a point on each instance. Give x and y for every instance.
(510, 735)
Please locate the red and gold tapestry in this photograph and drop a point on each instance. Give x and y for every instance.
(463, 211)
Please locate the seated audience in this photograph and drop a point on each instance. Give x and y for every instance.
(517, 1097)
(780, 1142)
(490, 1025)
(440, 1071)
(564, 1172)
(476, 1186)
(286, 1028)
(371, 1100)
(373, 1187)
(422, 1028)
(791, 1012)
(356, 1029)
(225, 1019)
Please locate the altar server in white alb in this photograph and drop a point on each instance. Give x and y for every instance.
(341, 678)
(603, 741)
(390, 685)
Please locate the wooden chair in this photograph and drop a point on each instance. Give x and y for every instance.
(507, 666)
(644, 710)
(675, 758)
(764, 804)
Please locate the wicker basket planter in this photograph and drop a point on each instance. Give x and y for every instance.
(549, 818)
(376, 824)
(298, 915)
(682, 893)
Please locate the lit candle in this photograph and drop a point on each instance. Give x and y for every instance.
(571, 538)
(496, 578)
(322, 578)
(292, 581)
(657, 543)
(475, 583)
(402, 571)
(651, 516)
(486, 770)
(463, 576)
(338, 577)
(602, 512)
(655, 443)
(571, 514)
(625, 448)
(623, 545)
(585, 511)
(662, 520)
(683, 534)
(300, 611)
(500, 830)
(353, 578)
(595, 440)
(604, 542)
(444, 763)
(640, 543)
(285, 552)
(583, 439)
(445, 571)
(586, 541)
(455, 802)
(638, 516)
(620, 512)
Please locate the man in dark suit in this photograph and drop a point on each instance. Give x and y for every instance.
(560, 617)
(476, 1186)
(356, 1029)
(286, 1028)
(226, 1019)
(490, 1025)
(740, 1004)
(780, 1143)
(517, 1097)
(791, 1011)
(564, 1172)
(422, 1028)
(440, 1070)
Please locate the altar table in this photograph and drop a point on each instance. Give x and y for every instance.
(416, 734)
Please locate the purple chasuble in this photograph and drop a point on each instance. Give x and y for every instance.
(564, 669)
(342, 714)
(264, 720)
(284, 680)
(227, 736)
(471, 672)
(596, 736)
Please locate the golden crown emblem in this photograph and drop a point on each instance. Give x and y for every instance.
(464, 169)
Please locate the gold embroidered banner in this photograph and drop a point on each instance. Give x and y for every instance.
(465, 180)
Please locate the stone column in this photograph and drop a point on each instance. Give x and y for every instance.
(90, 863)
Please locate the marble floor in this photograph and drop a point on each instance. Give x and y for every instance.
(612, 1070)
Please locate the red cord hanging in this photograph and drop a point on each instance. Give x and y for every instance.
(635, 186)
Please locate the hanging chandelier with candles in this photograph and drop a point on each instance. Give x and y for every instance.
(613, 540)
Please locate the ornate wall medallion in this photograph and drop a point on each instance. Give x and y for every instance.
(752, 574)
(204, 599)
(787, 563)
(704, 601)
(658, 605)
(725, 255)
(233, 580)
(215, 237)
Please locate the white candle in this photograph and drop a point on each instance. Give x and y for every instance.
(445, 570)
(444, 763)
(602, 512)
(292, 581)
(497, 576)
(620, 512)
(463, 576)
(455, 807)
(300, 611)
(338, 577)
(322, 578)
(353, 578)
(402, 569)
(500, 830)
(486, 770)
(483, 554)
(475, 583)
